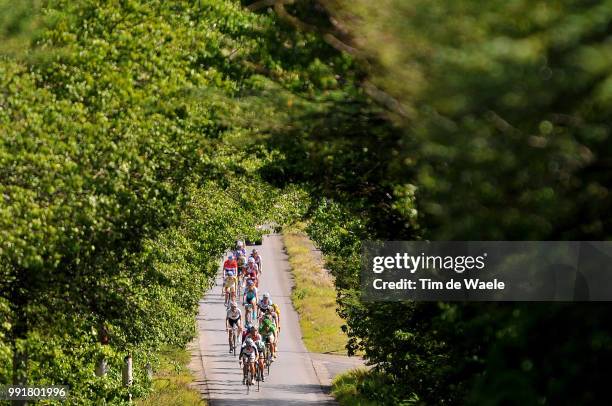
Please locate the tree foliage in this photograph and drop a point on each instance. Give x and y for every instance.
(139, 138)
(459, 120)
(120, 187)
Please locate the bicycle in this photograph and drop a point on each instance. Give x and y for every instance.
(258, 374)
(232, 339)
(248, 313)
(247, 374)
(268, 355)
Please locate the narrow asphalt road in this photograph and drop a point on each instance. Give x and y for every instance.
(293, 378)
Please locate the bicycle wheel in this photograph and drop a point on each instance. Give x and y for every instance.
(249, 377)
(234, 341)
(247, 314)
(268, 357)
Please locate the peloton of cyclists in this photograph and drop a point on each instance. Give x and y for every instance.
(252, 339)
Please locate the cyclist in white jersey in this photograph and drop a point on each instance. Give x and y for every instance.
(233, 319)
(249, 354)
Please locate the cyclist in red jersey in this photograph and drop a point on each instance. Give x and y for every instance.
(230, 264)
(251, 274)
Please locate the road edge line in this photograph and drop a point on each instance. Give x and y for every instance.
(324, 383)
(203, 388)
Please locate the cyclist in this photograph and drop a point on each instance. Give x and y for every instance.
(267, 329)
(250, 355)
(247, 329)
(240, 250)
(242, 263)
(251, 274)
(255, 255)
(252, 270)
(233, 319)
(269, 312)
(276, 311)
(230, 286)
(230, 264)
(250, 297)
(261, 347)
(251, 264)
(263, 304)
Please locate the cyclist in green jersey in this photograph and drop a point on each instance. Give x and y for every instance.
(267, 328)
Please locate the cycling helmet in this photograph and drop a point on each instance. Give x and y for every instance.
(255, 251)
(249, 341)
(239, 244)
(251, 260)
(250, 282)
(266, 295)
(230, 273)
(233, 305)
(248, 325)
(230, 257)
(251, 329)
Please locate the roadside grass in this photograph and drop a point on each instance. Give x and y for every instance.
(346, 388)
(314, 295)
(364, 387)
(171, 382)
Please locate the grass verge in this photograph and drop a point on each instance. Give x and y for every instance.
(171, 382)
(363, 387)
(314, 295)
(346, 388)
